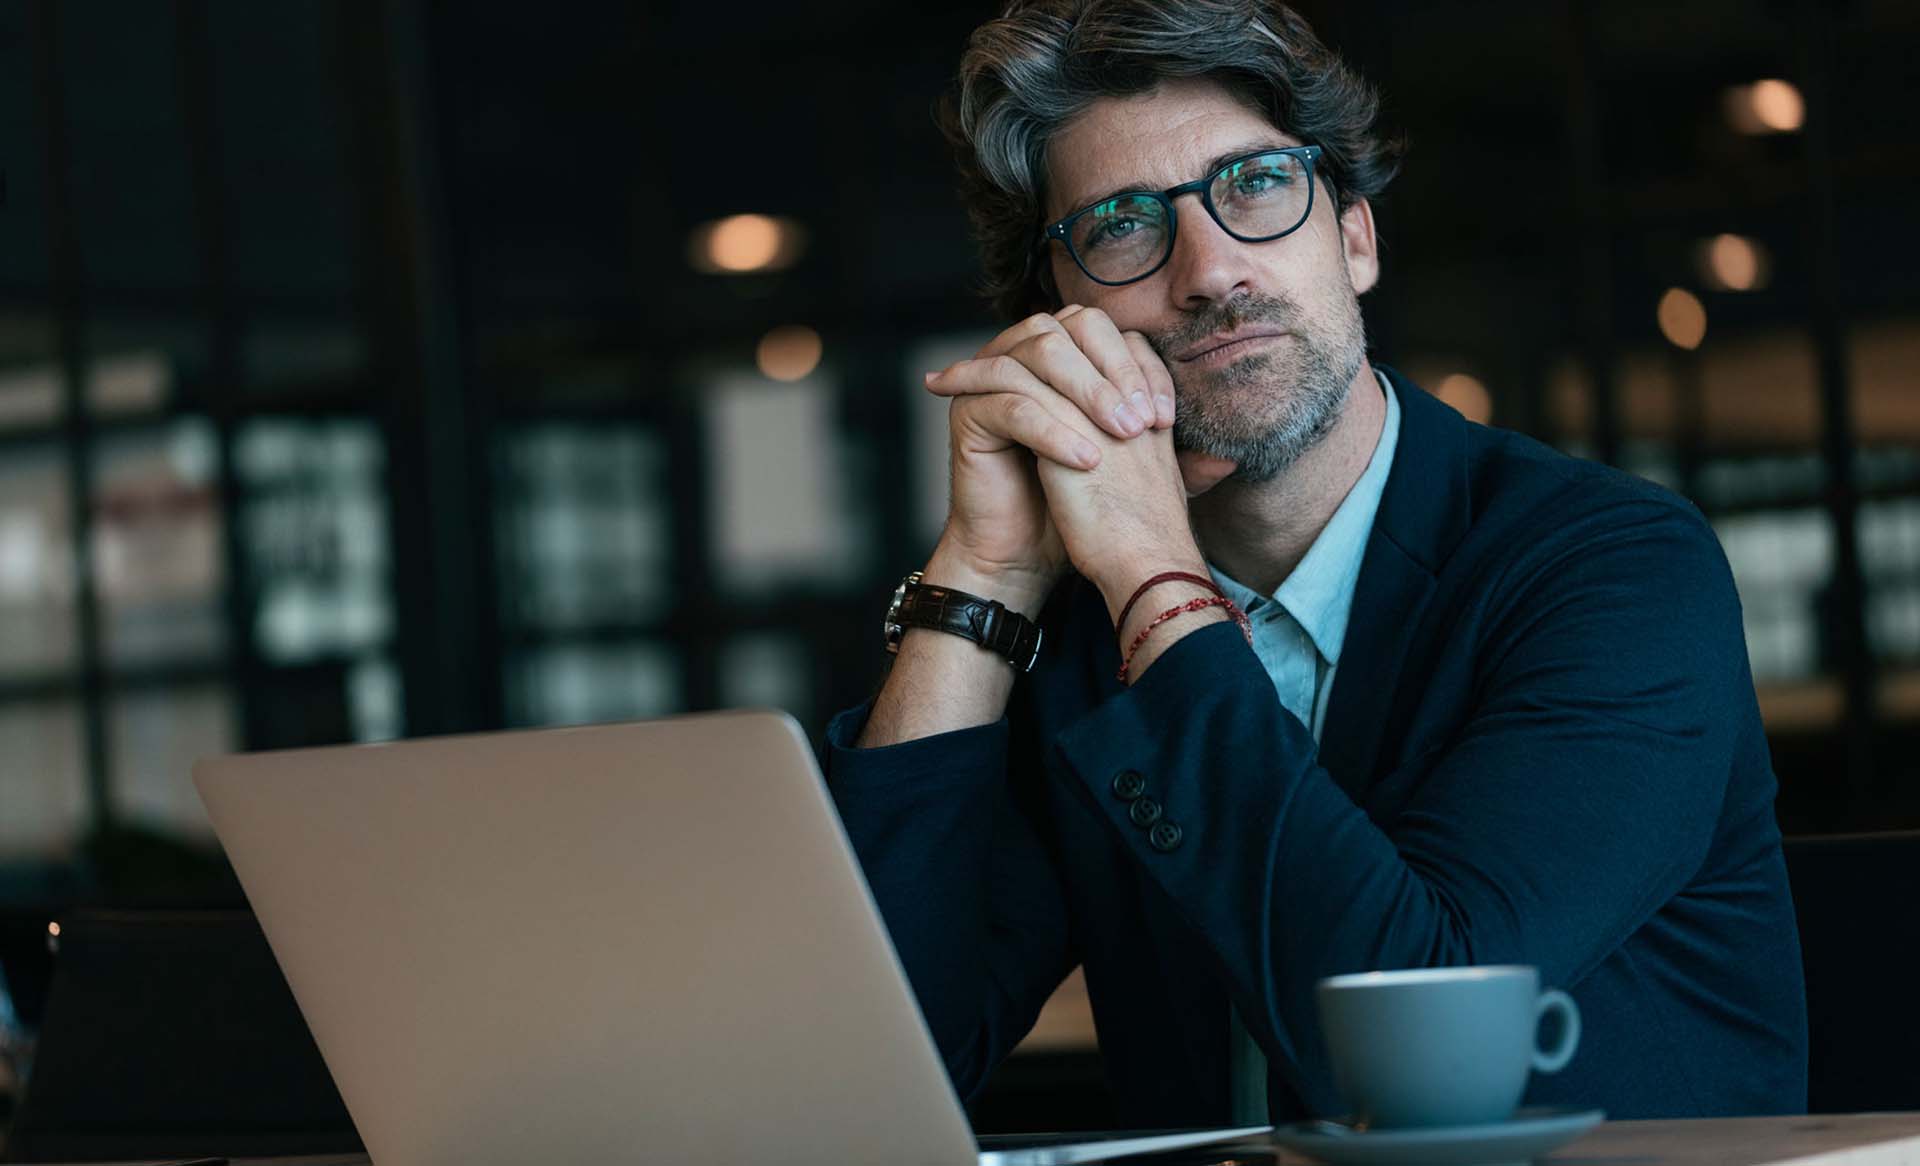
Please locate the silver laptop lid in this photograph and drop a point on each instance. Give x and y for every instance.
(624, 943)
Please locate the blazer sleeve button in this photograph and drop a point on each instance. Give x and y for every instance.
(1144, 812)
(1128, 785)
(1165, 837)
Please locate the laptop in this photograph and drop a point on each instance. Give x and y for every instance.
(645, 942)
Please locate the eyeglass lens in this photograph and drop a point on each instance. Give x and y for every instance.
(1254, 198)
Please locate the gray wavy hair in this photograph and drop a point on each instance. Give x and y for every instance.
(1041, 62)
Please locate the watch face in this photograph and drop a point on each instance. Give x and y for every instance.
(891, 628)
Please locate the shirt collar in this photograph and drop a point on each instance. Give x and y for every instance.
(1318, 594)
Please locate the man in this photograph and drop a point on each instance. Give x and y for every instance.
(1490, 704)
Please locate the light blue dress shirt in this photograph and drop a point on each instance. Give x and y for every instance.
(1297, 633)
(1298, 630)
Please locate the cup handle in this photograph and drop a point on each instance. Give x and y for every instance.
(1555, 1059)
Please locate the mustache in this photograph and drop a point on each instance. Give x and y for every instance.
(1251, 308)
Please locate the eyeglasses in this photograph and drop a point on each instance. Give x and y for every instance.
(1255, 198)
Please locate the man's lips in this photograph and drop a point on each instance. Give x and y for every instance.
(1218, 348)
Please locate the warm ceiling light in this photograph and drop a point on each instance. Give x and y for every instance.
(1734, 263)
(743, 243)
(788, 353)
(1771, 106)
(1683, 320)
(1468, 395)
(1778, 105)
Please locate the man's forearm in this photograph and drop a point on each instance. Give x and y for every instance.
(939, 682)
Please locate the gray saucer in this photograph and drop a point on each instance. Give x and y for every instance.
(1523, 1137)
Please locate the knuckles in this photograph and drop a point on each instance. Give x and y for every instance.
(1017, 410)
(1006, 368)
(1091, 317)
(1038, 323)
(1049, 345)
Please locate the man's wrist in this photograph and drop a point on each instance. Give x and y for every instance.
(1020, 591)
(1143, 595)
(1139, 652)
(1118, 583)
(1162, 597)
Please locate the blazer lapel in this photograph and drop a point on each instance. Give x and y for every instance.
(1423, 515)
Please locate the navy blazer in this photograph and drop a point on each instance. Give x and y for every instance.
(1542, 747)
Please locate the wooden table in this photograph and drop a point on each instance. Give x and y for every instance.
(1868, 1139)
(1884, 1139)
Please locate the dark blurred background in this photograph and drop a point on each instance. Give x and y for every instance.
(377, 368)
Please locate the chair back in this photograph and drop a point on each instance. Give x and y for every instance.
(173, 1034)
(1857, 897)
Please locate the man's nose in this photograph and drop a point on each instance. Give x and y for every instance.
(1207, 265)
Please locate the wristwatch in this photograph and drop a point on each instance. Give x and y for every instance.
(986, 622)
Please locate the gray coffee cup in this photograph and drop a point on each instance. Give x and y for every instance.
(1441, 1046)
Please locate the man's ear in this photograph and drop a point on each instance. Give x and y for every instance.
(1361, 245)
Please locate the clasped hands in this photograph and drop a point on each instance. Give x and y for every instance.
(1061, 433)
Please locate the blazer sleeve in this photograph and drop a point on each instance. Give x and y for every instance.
(969, 893)
(1579, 796)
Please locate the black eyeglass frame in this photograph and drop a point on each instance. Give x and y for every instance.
(1308, 155)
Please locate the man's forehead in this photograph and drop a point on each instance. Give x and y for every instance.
(1151, 141)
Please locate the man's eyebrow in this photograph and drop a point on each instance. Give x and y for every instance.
(1214, 163)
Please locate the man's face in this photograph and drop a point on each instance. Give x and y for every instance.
(1263, 400)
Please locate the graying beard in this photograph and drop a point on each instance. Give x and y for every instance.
(1311, 411)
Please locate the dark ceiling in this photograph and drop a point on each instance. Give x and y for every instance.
(570, 147)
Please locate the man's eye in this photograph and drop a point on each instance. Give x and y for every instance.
(1113, 230)
(1259, 182)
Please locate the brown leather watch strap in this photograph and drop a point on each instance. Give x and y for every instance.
(986, 622)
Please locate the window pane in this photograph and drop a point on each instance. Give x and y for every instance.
(1887, 421)
(1783, 478)
(37, 619)
(374, 694)
(1761, 391)
(1890, 559)
(767, 671)
(585, 533)
(302, 357)
(1781, 562)
(315, 530)
(30, 383)
(781, 506)
(157, 736)
(574, 684)
(136, 366)
(1739, 398)
(42, 779)
(1882, 358)
(157, 544)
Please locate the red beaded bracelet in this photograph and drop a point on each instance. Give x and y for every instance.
(1200, 604)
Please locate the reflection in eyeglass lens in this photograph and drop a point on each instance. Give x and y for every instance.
(1253, 199)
